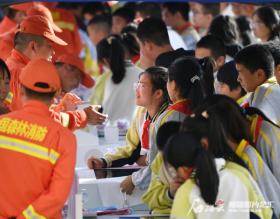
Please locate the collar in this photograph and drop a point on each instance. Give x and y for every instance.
(241, 147)
(183, 106)
(161, 110)
(20, 57)
(182, 28)
(36, 107)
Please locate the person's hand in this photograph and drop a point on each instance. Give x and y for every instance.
(94, 163)
(175, 184)
(142, 160)
(127, 185)
(93, 116)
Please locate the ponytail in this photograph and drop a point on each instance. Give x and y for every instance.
(185, 150)
(206, 176)
(112, 49)
(207, 77)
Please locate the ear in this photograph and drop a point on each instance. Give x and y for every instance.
(158, 93)
(220, 61)
(204, 142)
(260, 74)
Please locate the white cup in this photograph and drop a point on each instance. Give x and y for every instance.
(111, 134)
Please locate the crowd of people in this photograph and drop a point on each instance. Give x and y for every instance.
(198, 82)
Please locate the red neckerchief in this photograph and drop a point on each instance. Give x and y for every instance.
(145, 134)
(257, 128)
(135, 59)
(182, 28)
(182, 106)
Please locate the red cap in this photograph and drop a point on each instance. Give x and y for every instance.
(23, 6)
(77, 62)
(39, 25)
(40, 9)
(40, 71)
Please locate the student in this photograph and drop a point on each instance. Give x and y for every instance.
(225, 27)
(235, 131)
(211, 46)
(4, 87)
(274, 49)
(152, 98)
(203, 14)
(208, 176)
(157, 197)
(154, 41)
(255, 76)
(227, 82)
(120, 18)
(117, 82)
(99, 27)
(176, 15)
(266, 23)
(37, 154)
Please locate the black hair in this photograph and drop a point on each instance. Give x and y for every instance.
(149, 9)
(274, 49)
(5, 69)
(95, 8)
(188, 75)
(22, 40)
(225, 27)
(37, 95)
(153, 30)
(126, 13)
(158, 76)
(10, 13)
(228, 74)
(104, 19)
(211, 121)
(130, 43)
(245, 31)
(165, 131)
(182, 7)
(271, 20)
(130, 28)
(112, 49)
(214, 44)
(184, 150)
(247, 58)
(210, 8)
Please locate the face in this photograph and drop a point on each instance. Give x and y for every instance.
(168, 18)
(202, 53)
(45, 50)
(260, 30)
(4, 85)
(146, 50)
(144, 91)
(171, 88)
(118, 23)
(70, 77)
(95, 35)
(224, 89)
(199, 18)
(247, 79)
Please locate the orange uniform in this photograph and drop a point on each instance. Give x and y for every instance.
(37, 155)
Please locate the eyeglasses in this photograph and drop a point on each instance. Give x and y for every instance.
(140, 85)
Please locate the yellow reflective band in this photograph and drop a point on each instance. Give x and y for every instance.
(166, 116)
(65, 25)
(30, 213)
(28, 148)
(9, 97)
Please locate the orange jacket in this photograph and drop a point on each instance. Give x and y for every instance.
(70, 32)
(17, 60)
(15, 63)
(6, 25)
(37, 161)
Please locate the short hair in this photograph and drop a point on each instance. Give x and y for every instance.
(153, 30)
(126, 13)
(274, 49)
(214, 44)
(254, 57)
(38, 96)
(22, 40)
(94, 8)
(211, 8)
(182, 7)
(149, 9)
(102, 22)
